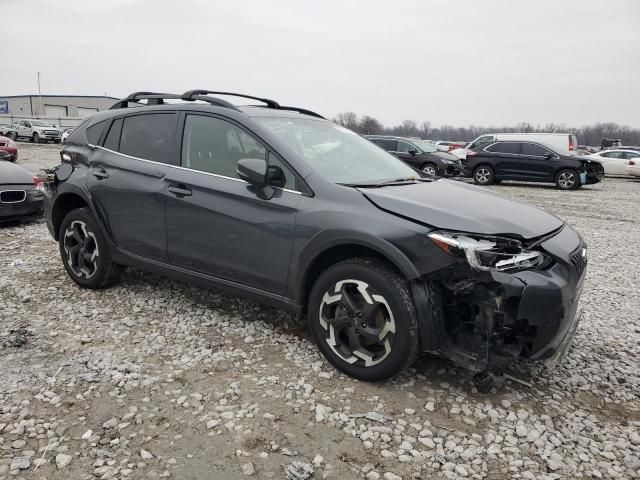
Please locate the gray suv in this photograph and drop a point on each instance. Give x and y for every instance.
(279, 205)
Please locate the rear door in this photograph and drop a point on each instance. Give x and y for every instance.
(218, 224)
(505, 161)
(126, 180)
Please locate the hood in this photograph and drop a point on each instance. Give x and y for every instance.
(444, 156)
(10, 173)
(452, 205)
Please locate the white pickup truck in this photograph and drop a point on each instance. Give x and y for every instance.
(37, 131)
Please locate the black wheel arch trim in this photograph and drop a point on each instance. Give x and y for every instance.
(329, 239)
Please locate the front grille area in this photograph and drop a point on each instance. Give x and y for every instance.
(13, 196)
(579, 259)
(50, 132)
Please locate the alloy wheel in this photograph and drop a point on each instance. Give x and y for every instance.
(359, 323)
(483, 175)
(566, 180)
(81, 248)
(430, 170)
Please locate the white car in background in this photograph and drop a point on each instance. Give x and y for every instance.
(566, 143)
(66, 133)
(633, 167)
(615, 161)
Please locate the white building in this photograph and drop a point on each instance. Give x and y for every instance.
(60, 109)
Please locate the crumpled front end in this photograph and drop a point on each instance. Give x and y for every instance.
(491, 318)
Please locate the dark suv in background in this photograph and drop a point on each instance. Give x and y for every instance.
(419, 154)
(282, 206)
(529, 162)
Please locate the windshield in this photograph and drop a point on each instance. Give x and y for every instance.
(337, 154)
(38, 123)
(425, 146)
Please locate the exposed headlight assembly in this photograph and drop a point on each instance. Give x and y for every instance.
(504, 255)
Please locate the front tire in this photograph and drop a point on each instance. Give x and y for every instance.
(13, 136)
(568, 179)
(84, 251)
(430, 169)
(36, 138)
(363, 319)
(483, 175)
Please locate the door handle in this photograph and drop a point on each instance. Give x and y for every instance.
(99, 173)
(180, 190)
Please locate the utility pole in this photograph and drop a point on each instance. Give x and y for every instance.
(39, 94)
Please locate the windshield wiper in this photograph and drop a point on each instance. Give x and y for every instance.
(395, 181)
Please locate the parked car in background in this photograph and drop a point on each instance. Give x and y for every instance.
(38, 131)
(280, 205)
(615, 161)
(447, 146)
(633, 168)
(10, 131)
(66, 133)
(524, 161)
(419, 154)
(565, 143)
(20, 195)
(9, 146)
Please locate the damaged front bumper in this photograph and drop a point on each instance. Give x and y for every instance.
(490, 319)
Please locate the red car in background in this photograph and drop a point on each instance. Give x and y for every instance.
(9, 146)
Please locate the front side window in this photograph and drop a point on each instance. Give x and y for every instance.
(481, 140)
(631, 155)
(336, 153)
(504, 147)
(149, 136)
(213, 145)
(405, 147)
(534, 150)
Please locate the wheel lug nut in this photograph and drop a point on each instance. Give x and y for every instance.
(351, 315)
(364, 325)
(359, 314)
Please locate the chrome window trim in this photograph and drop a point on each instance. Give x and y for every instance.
(185, 168)
(24, 196)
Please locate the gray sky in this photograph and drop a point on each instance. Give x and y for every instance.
(490, 62)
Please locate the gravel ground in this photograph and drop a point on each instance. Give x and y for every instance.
(154, 378)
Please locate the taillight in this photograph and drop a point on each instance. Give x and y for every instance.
(572, 147)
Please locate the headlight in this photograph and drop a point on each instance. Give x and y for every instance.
(504, 255)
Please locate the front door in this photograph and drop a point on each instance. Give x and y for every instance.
(217, 224)
(126, 181)
(408, 153)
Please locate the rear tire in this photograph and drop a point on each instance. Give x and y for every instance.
(483, 175)
(84, 251)
(568, 179)
(363, 319)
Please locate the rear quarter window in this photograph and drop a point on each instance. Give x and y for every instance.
(94, 132)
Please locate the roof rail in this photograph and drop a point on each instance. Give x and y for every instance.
(192, 93)
(154, 98)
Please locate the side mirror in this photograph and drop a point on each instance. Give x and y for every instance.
(547, 156)
(413, 152)
(253, 170)
(276, 176)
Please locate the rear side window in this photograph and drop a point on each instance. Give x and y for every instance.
(388, 145)
(534, 149)
(94, 132)
(112, 142)
(504, 147)
(149, 136)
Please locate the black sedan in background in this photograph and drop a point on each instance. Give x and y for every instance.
(20, 197)
(529, 162)
(419, 154)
